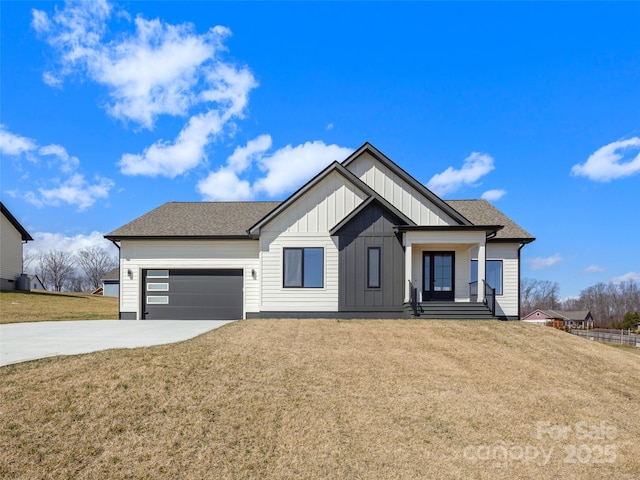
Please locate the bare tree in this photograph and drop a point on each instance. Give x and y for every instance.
(28, 257)
(541, 294)
(95, 262)
(78, 283)
(55, 269)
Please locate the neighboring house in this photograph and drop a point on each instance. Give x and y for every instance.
(363, 238)
(560, 319)
(35, 283)
(111, 283)
(12, 237)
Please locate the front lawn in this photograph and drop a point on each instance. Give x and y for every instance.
(43, 306)
(308, 399)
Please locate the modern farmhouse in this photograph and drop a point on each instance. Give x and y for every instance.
(362, 239)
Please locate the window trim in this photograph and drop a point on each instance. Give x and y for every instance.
(501, 290)
(379, 279)
(302, 249)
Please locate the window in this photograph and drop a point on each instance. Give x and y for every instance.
(373, 267)
(493, 274)
(157, 273)
(303, 268)
(157, 287)
(158, 300)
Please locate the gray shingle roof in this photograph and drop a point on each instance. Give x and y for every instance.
(233, 219)
(481, 212)
(196, 219)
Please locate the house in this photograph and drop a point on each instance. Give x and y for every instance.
(363, 238)
(111, 283)
(35, 283)
(12, 237)
(561, 319)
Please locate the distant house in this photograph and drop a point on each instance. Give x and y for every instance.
(35, 283)
(558, 318)
(111, 283)
(12, 237)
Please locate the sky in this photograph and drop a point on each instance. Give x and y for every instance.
(108, 110)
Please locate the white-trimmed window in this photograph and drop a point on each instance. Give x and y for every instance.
(303, 267)
(157, 300)
(493, 274)
(157, 273)
(157, 287)
(374, 258)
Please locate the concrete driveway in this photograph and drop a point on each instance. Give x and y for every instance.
(21, 342)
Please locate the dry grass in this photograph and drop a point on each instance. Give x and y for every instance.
(296, 399)
(44, 306)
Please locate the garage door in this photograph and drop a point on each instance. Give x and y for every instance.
(194, 294)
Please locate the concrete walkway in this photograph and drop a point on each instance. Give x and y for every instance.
(21, 342)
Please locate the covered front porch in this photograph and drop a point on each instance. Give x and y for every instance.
(445, 272)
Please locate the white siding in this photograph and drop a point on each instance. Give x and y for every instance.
(136, 255)
(306, 223)
(320, 209)
(10, 252)
(274, 297)
(507, 303)
(398, 192)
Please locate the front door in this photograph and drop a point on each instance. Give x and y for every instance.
(437, 276)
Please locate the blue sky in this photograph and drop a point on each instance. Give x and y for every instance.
(110, 109)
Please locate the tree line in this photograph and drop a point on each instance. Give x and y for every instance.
(61, 271)
(611, 304)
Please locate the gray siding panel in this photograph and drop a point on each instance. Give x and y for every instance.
(372, 228)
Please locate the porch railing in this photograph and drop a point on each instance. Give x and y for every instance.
(413, 300)
(489, 295)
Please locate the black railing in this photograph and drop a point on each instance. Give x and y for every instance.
(413, 300)
(489, 295)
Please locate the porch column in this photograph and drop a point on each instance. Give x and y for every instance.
(482, 267)
(407, 269)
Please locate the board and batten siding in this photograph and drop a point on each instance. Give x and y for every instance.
(306, 223)
(11, 254)
(398, 192)
(136, 255)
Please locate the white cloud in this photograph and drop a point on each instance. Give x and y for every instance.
(330, 126)
(74, 191)
(540, 263)
(633, 276)
(493, 195)
(44, 242)
(605, 163)
(14, 145)
(67, 163)
(289, 167)
(594, 269)
(242, 157)
(284, 170)
(224, 184)
(475, 166)
(155, 69)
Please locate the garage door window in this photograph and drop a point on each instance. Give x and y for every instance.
(303, 268)
(157, 273)
(157, 287)
(157, 299)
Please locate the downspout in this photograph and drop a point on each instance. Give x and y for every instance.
(519, 280)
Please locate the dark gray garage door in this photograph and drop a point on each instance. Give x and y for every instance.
(181, 294)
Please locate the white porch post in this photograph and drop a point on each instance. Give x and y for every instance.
(482, 258)
(407, 268)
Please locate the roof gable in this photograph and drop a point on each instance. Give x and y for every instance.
(388, 171)
(16, 224)
(335, 167)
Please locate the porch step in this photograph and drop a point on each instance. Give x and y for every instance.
(450, 311)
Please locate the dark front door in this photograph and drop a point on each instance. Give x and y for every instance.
(437, 276)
